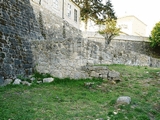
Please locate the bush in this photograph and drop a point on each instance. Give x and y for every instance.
(155, 35)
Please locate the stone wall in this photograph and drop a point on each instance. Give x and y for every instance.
(22, 21)
(122, 52)
(17, 26)
(33, 37)
(61, 58)
(64, 58)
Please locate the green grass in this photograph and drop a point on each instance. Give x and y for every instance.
(67, 99)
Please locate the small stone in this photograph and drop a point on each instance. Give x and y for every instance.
(48, 80)
(33, 78)
(39, 82)
(124, 100)
(89, 84)
(26, 83)
(17, 81)
(100, 119)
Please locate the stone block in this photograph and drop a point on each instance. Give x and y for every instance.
(26, 83)
(48, 80)
(17, 82)
(113, 75)
(94, 74)
(124, 100)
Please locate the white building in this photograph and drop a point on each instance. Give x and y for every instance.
(65, 9)
(131, 25)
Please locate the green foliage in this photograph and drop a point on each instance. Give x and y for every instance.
(96, 11)
(110, 30)
(90, 9)
(109, 20)
(155, 35)
(108, 11)
(38, 75)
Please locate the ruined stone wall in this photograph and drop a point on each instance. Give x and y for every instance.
(61, 58)
(122, 52)
(33, 37)
(65, 58)
(22, 21)
(17, 26)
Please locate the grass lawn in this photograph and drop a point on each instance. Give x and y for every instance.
(66, 99)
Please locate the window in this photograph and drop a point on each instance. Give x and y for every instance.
(55, 3)
(75, 15)
(69, 11)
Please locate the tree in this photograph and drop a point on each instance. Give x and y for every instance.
(110, 31)
(155, 35)
(108, 11)
(90, 9)
(109, 20)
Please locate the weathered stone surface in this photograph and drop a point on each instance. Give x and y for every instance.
(100, 119)
(1, 81)
(26, 83)
(89, 84)
(124, 100)
(32, 78)
(39, 82)
(94, 74)
(48, 80)
(7, 82)
(40, 39)
(113, 75)
(17, 82)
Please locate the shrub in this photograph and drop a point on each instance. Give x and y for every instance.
(155, 35)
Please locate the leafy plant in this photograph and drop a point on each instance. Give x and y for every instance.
(90, 9)
(110, 31)
(155, 35)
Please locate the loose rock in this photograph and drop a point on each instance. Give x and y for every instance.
(26, 83)
(16, 82)
(124, 100)
(48, 80)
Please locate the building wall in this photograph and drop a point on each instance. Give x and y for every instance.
(125, 25)
(139, 28)
(70, 19)
(132, 26)
(91, 26)
(52, 26)
(60, 8)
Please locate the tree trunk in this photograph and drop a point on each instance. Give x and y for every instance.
(86, 23)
